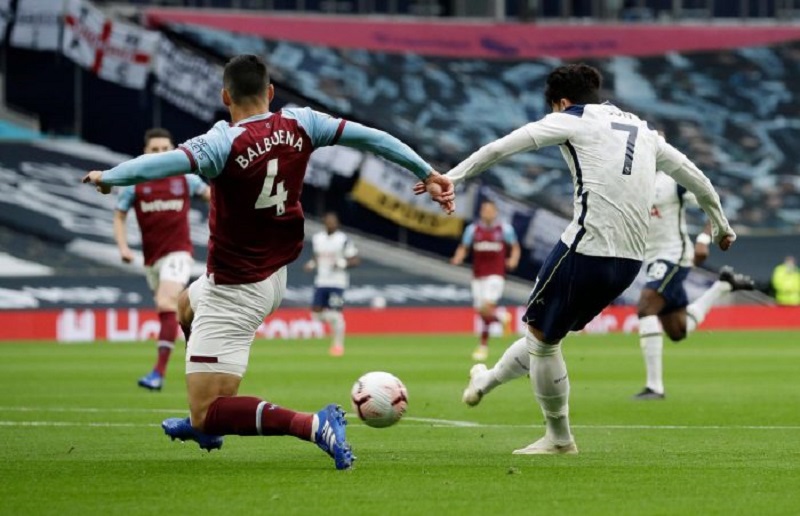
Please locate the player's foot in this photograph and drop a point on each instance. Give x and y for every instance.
(736, 280)
(507, 319)
(472, 394)
(330, 436)
(336, 351)
(480, 354)
(181, 428)
(545, 446)
(649, 394)
(152, 381)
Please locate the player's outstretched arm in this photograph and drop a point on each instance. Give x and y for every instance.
(139, 170)
(387, 146)
(676, 164)
(493, 153)
(554, 129)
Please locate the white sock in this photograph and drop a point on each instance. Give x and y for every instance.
(697, 311)
(336, 320)
(513, 364)
(652, 342)
(551, 386)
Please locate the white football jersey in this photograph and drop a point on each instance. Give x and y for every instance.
(329, 252)
(668, 238)
(613, 157)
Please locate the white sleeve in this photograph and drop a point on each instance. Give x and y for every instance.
(553, 129)
(681, 169)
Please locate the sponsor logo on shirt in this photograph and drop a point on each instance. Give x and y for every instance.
(161, 205)
(488, 246)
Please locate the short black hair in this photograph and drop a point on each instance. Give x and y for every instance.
(578, 83)
(156, 132)
(245, 76)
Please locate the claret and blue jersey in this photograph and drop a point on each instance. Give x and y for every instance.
(256, 169)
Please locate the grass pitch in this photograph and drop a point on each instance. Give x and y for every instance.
(78, 437)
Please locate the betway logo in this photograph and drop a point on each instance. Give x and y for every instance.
(160, 205)
(488, 246)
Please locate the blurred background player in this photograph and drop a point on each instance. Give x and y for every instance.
(663, 303)
(489, 240)
(256, 164)
(334, 253)
(613, 157)
(162, 211)
(786, 283)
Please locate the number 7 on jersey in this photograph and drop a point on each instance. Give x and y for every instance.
(633, 132)
(265, 198)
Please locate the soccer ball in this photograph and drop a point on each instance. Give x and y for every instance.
(380, 399)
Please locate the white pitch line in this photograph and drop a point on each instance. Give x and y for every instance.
(76, 423)
(423, 422)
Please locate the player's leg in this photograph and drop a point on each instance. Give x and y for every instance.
(333, 314)
(481, 352)
(651, 341)
(549, 319)
(186, 312)
(514, 363)
(226, 319)
(571, 291)
(173, 272)
(729, 281)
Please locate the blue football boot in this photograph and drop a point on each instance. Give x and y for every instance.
(152, 381)
(181, 428)
(330, 436)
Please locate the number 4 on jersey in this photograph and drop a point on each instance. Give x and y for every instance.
(266, 199)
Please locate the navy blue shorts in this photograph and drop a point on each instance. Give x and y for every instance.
(667, 279)
(328, 297)
(571, 289)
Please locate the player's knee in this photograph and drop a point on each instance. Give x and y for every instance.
(649, 303)
(166, 302)
(676, 334)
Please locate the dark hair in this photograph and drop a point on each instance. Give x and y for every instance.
(578, 83)
(245, 76)
(156, 132)
(488, 201)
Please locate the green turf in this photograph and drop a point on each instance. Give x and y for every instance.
(723, 382)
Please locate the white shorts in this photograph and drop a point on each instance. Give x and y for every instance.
(226, 318)
(176, 267)
(487, 290)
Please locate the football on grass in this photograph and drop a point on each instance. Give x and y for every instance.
(380, 399)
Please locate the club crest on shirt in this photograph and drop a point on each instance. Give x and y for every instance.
(177, 186)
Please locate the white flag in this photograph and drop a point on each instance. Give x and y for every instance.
(5, 17)
(85, 29)
(188, 80)
(38, 24)
(115, 51)
(126, 55)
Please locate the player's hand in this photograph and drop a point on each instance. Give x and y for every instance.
(441, 190)
(309, 266)
(95, 177)
(700, 254)
(511, 265)
(456, 261)
(727, 242)
(126, 255)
